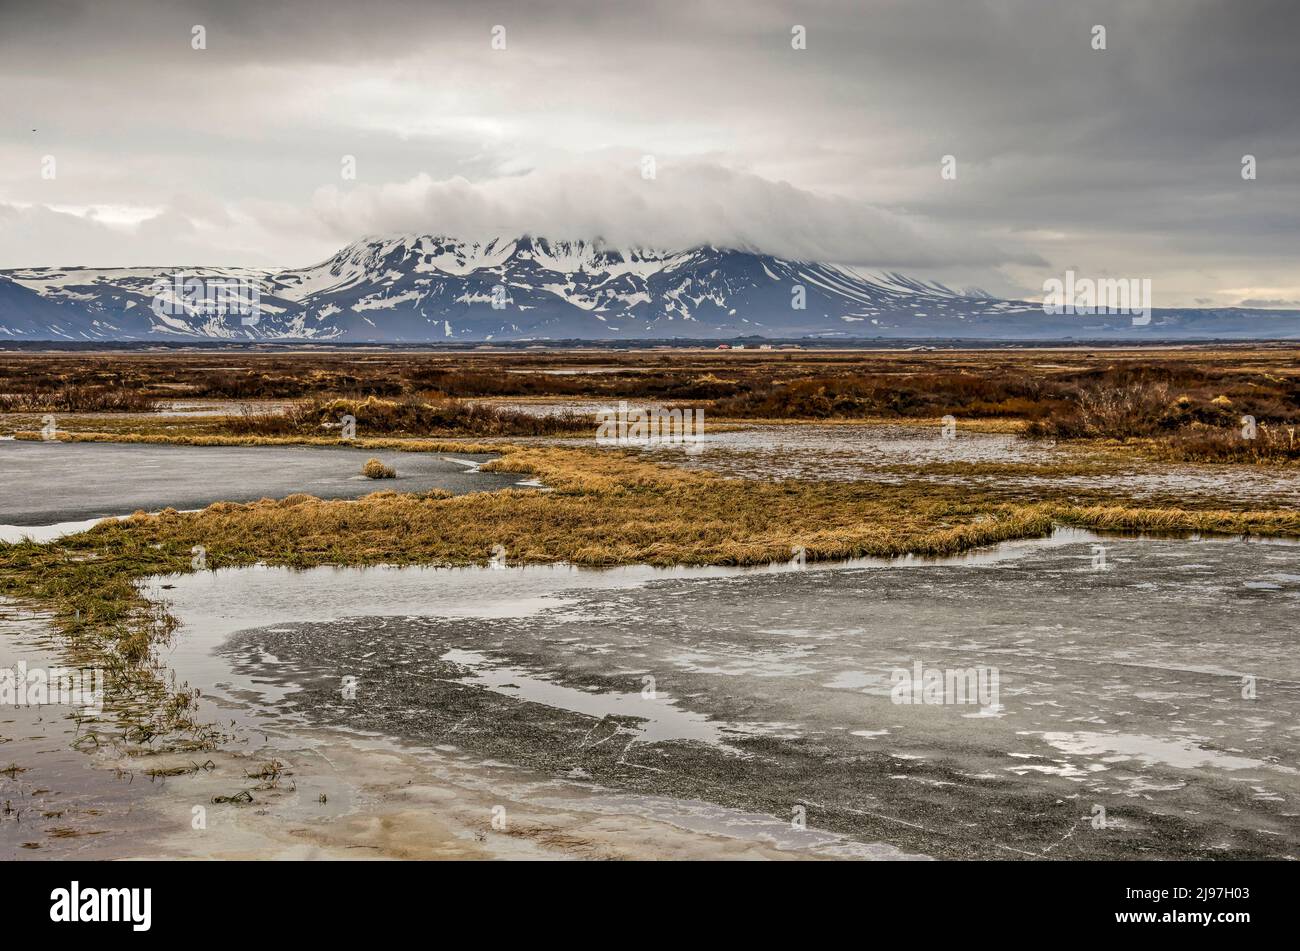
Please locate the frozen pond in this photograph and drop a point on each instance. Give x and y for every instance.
(1137, 700)
(46, 483)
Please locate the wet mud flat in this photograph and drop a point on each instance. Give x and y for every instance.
(51, 482)
(61, 794)
(1122, 725)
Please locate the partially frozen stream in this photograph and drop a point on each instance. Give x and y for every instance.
(1159, 689)
(1135, 697)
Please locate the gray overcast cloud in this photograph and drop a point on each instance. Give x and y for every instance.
(1125, 161)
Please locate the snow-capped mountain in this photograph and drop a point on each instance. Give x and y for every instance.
(532, 288)
(425, 288)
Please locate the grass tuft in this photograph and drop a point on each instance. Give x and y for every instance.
(374, 469)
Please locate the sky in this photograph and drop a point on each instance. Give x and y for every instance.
(983, 143)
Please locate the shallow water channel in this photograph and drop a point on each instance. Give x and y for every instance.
(1127, 696)
(1075, 696)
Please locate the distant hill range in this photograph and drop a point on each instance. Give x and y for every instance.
(427, 289)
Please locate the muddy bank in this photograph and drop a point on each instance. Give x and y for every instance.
(62, 795)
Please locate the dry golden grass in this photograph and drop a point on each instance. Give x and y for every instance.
(1121, 518)
(374, 469)
(604, 508)
(1180, 404)
(408, 416)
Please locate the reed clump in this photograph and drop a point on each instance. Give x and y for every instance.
(374, 469)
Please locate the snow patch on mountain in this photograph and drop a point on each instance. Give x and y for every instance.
(429, 287)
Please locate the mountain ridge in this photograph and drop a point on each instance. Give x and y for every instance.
(426, 288)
